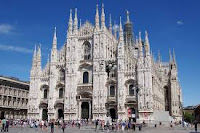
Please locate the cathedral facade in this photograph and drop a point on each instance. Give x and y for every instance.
(103, 72)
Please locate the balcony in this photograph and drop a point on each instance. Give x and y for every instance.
(131, 98)
(60, 100)
(111, 98)
(85, 87)
(44, 100)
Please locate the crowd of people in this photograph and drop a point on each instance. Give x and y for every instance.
(45, 125)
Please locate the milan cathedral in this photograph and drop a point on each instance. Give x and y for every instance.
(102, 72)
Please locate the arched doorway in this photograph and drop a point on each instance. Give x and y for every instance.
(85, 110)
(60, 114)
(44, 114)
(2, 115)
(132, 114)
(113, 113)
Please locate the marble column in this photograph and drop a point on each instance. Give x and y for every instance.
(89, 109)
(80, 102)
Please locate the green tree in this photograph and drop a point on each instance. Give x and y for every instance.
(188, 117)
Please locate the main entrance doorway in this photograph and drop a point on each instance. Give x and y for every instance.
(60, 114)
(113, 113)
(44, 114)
(132, 114)
(85, 110)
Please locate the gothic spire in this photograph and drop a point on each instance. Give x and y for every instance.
(97, 18)
(121, 38)
(80, 23)
(170, 55)
(70, 24)
(147, 47)
(39, 57)
(34, 57)
(75, 23)
(159, 56)
(102, 17)
(110, 24)
(140, 45)
(54, 39)
(174, 56)
(127, 19)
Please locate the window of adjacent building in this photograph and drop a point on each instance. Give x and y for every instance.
(112, 91)
(61, 91)
(85, 77)
(45, 93)
(131, 90)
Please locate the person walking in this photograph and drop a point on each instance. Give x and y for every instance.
(1, 125)
(96, 125)
(52, 127)
(7, 125)
(195, 126)
(63, 126)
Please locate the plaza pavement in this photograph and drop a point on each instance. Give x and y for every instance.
(90, 129)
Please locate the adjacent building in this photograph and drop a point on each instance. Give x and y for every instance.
(103, 72)
(13, 98)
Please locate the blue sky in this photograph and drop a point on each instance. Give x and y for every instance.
(171, 24)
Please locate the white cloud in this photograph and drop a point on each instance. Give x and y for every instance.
(15, 49)
(6, 28)
(116, 27)
(179, 22)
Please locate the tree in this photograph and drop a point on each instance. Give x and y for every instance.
(188, 117)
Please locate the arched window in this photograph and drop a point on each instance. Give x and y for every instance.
(131, 90)
(87, 50)
(62, 75)
(112, 91)
(61, 93)
(45, 94)
(85, 77)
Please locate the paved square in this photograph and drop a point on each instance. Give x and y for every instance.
(90, 129)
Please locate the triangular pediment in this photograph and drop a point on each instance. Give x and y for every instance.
(87, 29)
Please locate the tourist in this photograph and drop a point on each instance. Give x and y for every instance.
(1, 125)
(45, 126)
(52, 127)
(4, 124)
(96, 125)
(63, 126)
(7, 126)
(195, 126)
(123, 125)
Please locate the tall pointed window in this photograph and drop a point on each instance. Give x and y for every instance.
(85, 77)
(62, 75)
(131, 90)
(61, 92)
(112, 91)
(87, 50)
(45, 93)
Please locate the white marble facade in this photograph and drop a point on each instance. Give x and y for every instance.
(102, 72)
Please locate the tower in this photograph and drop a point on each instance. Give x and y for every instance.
(128, 32)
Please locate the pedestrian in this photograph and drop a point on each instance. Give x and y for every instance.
(3, 124)
(195, 126)
(96, 125)
(7, 126)
(63, 126)
(52, 127)
(79, 124)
